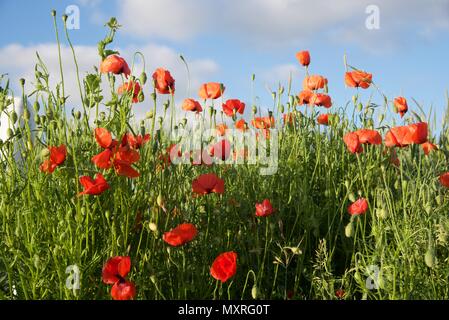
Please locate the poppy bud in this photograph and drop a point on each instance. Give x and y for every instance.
(107, 214)
(381, 213)
(351, 197)
(143, 78)
(9, 133)
(347, 184)
(149, 115)
(254, 109)
(26, 114)
(438, 199)
(254, 292)
(370, 123)
(45, 153)
(273, 95)
(160, 201)
(281, 108)
(349, 230)
(360, 107)
(160, 119)
(153, 96)
(153, 279)
(53, 13)
(354, 99)
(429, 257)
(184, 122)
(22, 81)
(281, 90)
(166, 105)
(29, 145)
(14, 117)
(253, 77)
(64, 17)
(77, 115)
(36, 106)
(381, 117)
(211, 110)
(152, 226)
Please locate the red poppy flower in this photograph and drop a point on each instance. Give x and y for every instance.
(191, 105)
(224, 266)
(232, 106)
(314, 82)
(135, 142)
(428, 147)
(321, 100)
(103, 160)
(404, 135)
(340, 293)
(358, 78)
(352, 142)
(164, 82)
(56, 158)
(305, 97)
(444, 179)
(103, 137)
(221, 129)
(93, 187)
(133, 88)
(303, 58)
(264, 209)
(208, 183)
(124, 168)
(180, 235)
(323, 119)
(263, 122)
(211, 90)
(123, 290)
(359, 207)
(114, 64)
(221, 149)
(368, 136)
(241, 125)
(114, 272)
(401, 105)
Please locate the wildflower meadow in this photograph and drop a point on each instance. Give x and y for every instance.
(215, 198)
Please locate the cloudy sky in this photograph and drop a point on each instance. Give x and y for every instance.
(229, 40)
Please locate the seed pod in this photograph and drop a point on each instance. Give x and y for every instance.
(429, 257)
(349, 230)
(14, 117)
(254, 292)
(351, 197)
(36, 106)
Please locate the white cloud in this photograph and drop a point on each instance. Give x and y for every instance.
(19, 61)
(270, 23)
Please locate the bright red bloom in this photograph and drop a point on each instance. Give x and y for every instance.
(232, 106)
(103, 137)
(321, 100)
(114, 64)
(444, 179)
(263, 122)
(180, 235)
(404, 135)
(221, 129)
(135, 142)
(211, 90)
(191, 105)
(314, 82)
(114, 272)
(56, 158)
(221, 149)
(358, 78)
(303, 58)
(368, 136)
(359, 207)
(123, 290)
(93, 187)
(224, 266)
(264, 209)
(428, 147)
(208, 183)
(340, 293)
(241, 125)
(305, 97)
(103, 160)
(323, 119)
(124, 168)
(352, 142)
(164, 82)
(132, 87)
(401, 105)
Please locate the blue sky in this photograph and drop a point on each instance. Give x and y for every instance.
(228, 40)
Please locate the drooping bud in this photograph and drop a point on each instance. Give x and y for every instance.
(349, 230)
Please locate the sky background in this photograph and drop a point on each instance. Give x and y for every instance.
(229, 40)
